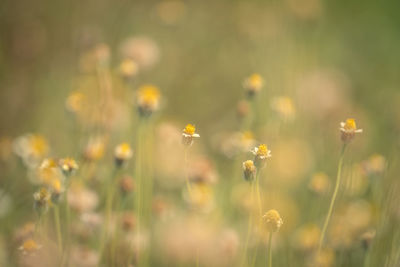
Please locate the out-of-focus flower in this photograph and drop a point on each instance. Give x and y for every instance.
(261, 153)
(128, 68)
(367, 238)
(29, 247)
(189, 132)
(144, 51)
(357, 182)
(148, 99)
(31, 148)
(253, 84)
(272, 220)
(249, 170)
(307, 237)
(202, 170)
(375, 164)
(232, 144)
(68, 166)
(128, 222)
(305, 9)
(122, 153)
(84, 257)
(95, 149)
(126, 185)
(56, 189)
(75, 102)
(82, 199)
(284, 107)
(42, 200)
(24, 232)
(201, 197)
(348, 130)
(319, 183)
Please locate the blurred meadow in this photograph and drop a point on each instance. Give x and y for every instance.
(158, 133)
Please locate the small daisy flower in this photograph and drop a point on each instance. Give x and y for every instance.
(128, 68)
(272, 220)
(56, 189)
(261, 153)
(29, 247)
(349, 130)
(319, 183)
(68, 166)
(253, 84)
(122, 153)
(148, 99)
(95, 149)
(75, 102)
(187, 135)
(249, 170)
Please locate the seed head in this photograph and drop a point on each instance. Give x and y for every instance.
(272, 220)
(249, 170)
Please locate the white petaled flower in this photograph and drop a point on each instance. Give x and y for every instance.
(188, 134)
(261, 153)
(349, 130)
(122, 153)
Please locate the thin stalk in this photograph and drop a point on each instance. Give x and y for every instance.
(328, 217)
(246, 244)
(189, 188)
(270, 250)
(56, 213)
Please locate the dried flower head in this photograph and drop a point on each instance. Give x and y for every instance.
(68, 166)
(188, 133)
(42, 200)
(148, 99)
(128, 68)
(249, 170)
(253, 84)
(29, 247)
(261, 153)
(349, 130)
(122, 153)
(272, 220)
(126, 185)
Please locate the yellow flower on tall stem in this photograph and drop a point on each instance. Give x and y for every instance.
(273, 223)
(188, 133)
(348, 131)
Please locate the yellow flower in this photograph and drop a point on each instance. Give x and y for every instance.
(148, 99)
(122, 153)
(128, 68)
(249, 170)
(95, 149)
(29, 246)
(188, 133)
(261, 153)
(272, 220)
(319, 183)
(283, 106)
(75, 102)
(68, 165)
(253, 84)
(349, 130)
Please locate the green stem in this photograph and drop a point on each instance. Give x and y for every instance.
(189, 188)
(56, 213)
(328, 217)
(270, 250)
(244, 259)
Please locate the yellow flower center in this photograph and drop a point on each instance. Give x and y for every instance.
(189, 129)
(148, 95)
(30, 245)
(255, 80)
(262, 150)
(350, 124)
(43, 193)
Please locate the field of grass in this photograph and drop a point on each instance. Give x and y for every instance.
(199, 133)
